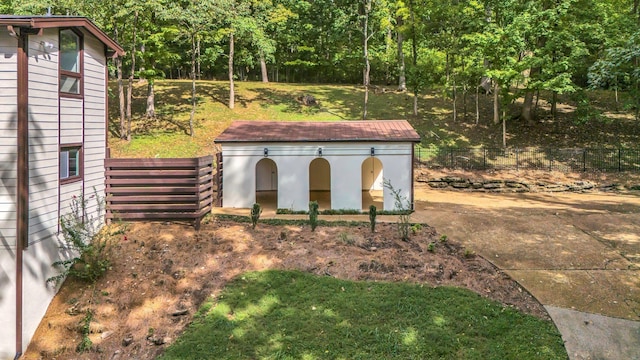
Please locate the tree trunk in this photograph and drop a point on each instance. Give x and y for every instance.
(554, 100)
(455, 98)
(504, 129)
(402, 78)
(367, 65)
(193, 84)
(121, 99)
(151, 100)
(198, 59)
(133, 70)
(232, 91)
(477, 104)
(263, 68)
(118, 64)
(464, 101)
(527, 107)
(496, 103)
(414, 53)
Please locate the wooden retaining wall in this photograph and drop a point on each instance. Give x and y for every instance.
(159, 189)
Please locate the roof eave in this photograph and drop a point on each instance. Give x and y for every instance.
(54, 22)
(395, 140)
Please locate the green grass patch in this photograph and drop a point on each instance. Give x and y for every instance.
(293, 315)
(295, 222)
(282, 211)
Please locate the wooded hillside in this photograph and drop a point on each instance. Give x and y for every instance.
(511, 49)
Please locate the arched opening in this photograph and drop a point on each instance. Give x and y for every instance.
(372, 183)
(267, 184)
(320, 182)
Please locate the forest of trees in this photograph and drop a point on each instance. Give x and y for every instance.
(463, 46)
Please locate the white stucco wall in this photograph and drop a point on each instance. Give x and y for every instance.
(293, 164)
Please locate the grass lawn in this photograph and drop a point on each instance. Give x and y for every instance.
(167, 134)
(293, 315)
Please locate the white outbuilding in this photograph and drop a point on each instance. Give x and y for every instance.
(342, 165)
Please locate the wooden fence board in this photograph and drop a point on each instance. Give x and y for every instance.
(159, 189)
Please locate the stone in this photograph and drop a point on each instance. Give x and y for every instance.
(127, 340)
(438, 184)
(453, 179)
(180, 312)
(492, 186)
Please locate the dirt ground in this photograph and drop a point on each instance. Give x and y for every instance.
(163, 272)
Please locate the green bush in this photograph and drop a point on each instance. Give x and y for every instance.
(256, 210)
(313, 214)
(83, 235)
(403, 206)
(373, 212)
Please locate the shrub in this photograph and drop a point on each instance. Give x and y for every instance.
(373, 212)
(402, 205)
(256, 210)
(83, 235)
(313, 214)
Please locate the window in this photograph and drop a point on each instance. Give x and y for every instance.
(70, 62)
(70, 162)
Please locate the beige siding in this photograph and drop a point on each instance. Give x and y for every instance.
(8, 139)
(43, 135)
(94, 117)
(8, 190)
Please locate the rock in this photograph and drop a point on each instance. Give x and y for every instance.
(556, 188)
(180, 312)
(460, 185)
(127, 340)
(492, 186)
(438, 184)
(453, 179)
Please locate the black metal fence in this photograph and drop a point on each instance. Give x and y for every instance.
(566, 160)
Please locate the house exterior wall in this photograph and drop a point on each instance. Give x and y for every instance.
(8, 188)
(53, 120)
(293, 164)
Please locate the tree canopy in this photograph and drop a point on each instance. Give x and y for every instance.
(560, 46)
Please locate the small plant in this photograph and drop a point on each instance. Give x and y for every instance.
(85, 238)
(468, 253)
(443, 238)
(415, 228)
(313, 214)
(431, 247)
(373, 212)
(345, 238)
(404, 207)
(85, 343)
(256, 210)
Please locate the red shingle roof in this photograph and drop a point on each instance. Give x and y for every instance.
(279, 131)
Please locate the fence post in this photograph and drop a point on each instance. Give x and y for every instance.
(484, 158)
(619, 159)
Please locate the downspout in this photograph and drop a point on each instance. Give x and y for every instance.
(22, 205)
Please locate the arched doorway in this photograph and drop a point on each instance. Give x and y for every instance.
(320, 182)
(372, 183)
(267, 184)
